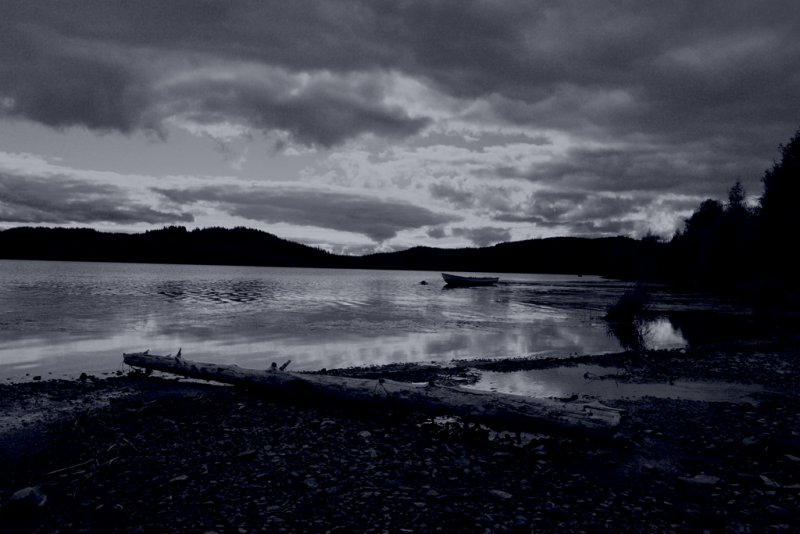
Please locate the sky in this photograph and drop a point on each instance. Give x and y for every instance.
(369, 125)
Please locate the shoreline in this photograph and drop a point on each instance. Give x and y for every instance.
(135, 454)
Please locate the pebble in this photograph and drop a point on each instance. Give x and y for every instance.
(244, 455)
(702, 480)
(769, 482)
(27, 499)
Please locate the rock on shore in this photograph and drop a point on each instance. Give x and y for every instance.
(183, 457)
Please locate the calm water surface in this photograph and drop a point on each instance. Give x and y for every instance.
(601, 382)
(61, 317)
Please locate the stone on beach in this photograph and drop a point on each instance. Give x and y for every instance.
(26, 500)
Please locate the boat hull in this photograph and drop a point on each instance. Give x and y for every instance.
(468, 281)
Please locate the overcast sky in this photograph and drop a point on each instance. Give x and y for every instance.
(362, 125)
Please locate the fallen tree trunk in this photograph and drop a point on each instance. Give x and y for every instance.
(511, 411)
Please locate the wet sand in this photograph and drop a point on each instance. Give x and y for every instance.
(136, 454)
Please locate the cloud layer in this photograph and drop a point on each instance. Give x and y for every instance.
(527, 118)
(379, 219)
(62, 200)
(677, 72)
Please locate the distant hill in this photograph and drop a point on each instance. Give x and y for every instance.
(618, 256)
(614, 256)
(175, 244)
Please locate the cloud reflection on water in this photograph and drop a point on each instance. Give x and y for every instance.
(71, 317)
(600, 382)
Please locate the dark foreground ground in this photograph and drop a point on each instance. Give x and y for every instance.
(137, 454)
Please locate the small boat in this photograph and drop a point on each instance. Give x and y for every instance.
(466, 281)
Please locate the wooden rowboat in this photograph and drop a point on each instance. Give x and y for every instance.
(466, 281)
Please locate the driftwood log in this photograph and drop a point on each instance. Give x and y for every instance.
(509, 411)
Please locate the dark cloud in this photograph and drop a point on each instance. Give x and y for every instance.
(321, 112)
(115, 66)
(483, 236)
(60, 90)
(580, 212)
(650, 68)
(436, 232)
(376, 218)
(456, 196)
(484, 198)
(59, 200)
(702, 168)
(559, 205)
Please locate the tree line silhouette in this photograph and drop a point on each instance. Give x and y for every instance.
(614, 256)
(743, 249)
(173, 244)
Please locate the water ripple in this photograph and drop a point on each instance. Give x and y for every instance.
(83, 315)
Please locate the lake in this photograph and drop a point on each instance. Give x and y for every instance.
(65, 318)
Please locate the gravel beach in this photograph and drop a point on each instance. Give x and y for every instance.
(150, 454)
